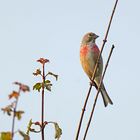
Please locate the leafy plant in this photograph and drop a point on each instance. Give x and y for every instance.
(11, 110)
(41, 86)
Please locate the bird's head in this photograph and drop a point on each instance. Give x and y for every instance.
(89, 37)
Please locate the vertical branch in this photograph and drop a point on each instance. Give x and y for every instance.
(42, 107)
(41, 86)
(14, 114)
(95, 101)
(95, 69)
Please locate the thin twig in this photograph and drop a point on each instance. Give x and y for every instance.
(95, 101)
(82, 113)
(14, 114)
(42, 107)
(104, 41)
(95, 69)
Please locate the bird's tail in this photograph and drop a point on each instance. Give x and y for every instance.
(105, 96)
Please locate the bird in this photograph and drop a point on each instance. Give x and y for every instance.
(89, 53)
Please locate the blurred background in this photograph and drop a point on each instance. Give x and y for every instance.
(31, 29)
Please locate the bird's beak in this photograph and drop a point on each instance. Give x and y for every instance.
(96, 36)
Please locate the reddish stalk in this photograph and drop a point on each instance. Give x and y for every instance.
(42, 104)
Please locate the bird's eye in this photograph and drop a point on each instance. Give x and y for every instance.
(89, 35)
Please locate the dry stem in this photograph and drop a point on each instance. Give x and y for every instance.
(95, 101)
(95, 69)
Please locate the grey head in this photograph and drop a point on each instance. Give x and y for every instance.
(89, 37)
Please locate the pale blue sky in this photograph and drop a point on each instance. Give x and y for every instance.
(54, 29)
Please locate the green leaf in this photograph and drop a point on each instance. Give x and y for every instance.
(55, 75)
(37, 86)
(18, 114)
(25, 136)
(48, 86)
(47, 81)
(5, 136)
(29, 126)
(58, 131)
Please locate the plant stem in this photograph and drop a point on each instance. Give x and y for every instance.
(14, 115)
(95, 101)
(95, 69)
(82, 113)
(104, 41)
(42, 107)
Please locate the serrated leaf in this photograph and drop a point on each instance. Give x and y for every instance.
(18, 114)
(14, 94)
(38, 72)
(5, 136)
(58, 131)
(23, 87)
(43, 60)
(25, 136)
(55, 75)
(48, 86)
(37, 86)
(29, 126)
(8, 109)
